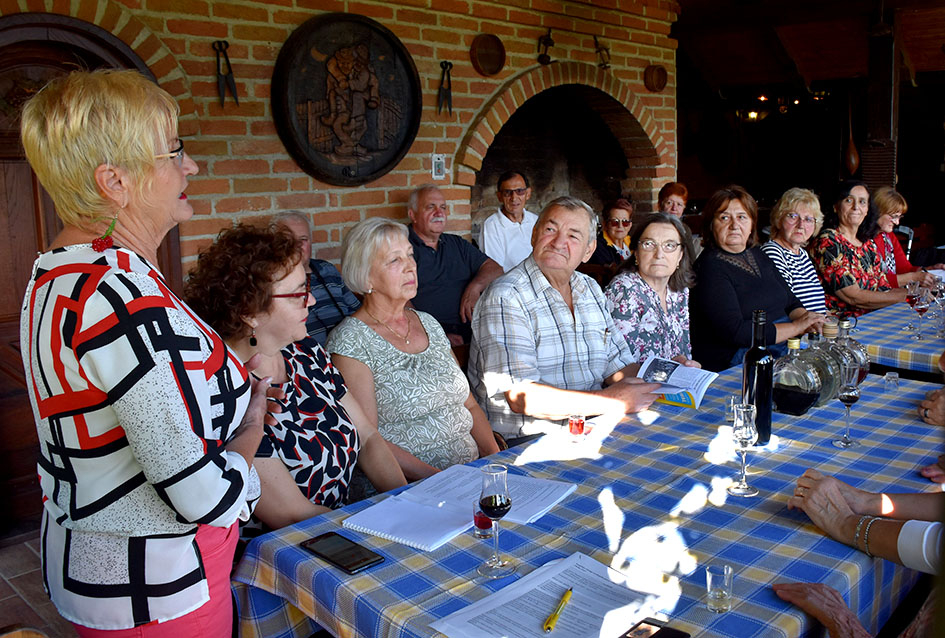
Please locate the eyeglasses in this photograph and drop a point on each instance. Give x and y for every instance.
(176, 154)
(668, 246)
(794, 218)
(508, 192)
(897, 217)
(619, 222)
(298, 295)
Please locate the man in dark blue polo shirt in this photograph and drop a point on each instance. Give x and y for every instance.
(452, 272)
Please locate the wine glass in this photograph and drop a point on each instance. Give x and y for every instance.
(848, 395)
(940, 301)
(921, 305)
(495, 502)
(745, 435)
(911, 295)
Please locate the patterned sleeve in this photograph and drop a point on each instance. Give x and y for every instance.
(506, 338)
(833, 264)
(624, 306)
(780, 263)
(157, 367)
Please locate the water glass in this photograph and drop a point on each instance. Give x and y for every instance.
(719, 579)
(730, 402)
(892, 382)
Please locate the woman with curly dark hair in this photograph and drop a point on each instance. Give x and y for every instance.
(251, 286)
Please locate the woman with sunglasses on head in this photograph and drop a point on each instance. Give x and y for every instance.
(892, 207)
(649, 298)
(147, 422)
(613, 241)
(794, 220)
(251, 286)
(846, 258)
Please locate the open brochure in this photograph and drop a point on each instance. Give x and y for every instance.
(437, 509)
(681, 385)
(602, 604)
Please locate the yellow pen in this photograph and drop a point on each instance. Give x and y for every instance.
(553, 618)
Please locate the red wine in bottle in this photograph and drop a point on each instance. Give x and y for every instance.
(758, 377)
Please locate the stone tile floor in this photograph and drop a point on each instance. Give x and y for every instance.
(22, 598)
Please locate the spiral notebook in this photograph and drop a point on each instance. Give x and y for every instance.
(404, 520)
(439, 508)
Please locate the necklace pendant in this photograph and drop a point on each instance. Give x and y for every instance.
(408, 341)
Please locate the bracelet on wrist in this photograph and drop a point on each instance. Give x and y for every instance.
(859, 526)
(866, 536)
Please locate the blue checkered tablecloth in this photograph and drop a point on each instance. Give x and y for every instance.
(888, 344)
(663, 473)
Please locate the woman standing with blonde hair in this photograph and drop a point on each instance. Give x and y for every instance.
(147, 427)
(794, 220)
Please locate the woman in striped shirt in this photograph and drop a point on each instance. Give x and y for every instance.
(794, 220)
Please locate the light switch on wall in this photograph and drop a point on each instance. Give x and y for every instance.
(439, 166)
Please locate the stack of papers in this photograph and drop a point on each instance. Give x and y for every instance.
(601, 604)
(430, 514)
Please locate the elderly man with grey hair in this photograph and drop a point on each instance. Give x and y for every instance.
(452, 272)
(544, 346)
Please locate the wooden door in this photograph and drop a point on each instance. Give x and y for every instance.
(28, 224)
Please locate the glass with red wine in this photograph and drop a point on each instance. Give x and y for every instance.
(495, 502)
(921, 306)
(849, 394)
(912, 289)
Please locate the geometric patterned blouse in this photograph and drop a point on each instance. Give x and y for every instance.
(134, 398)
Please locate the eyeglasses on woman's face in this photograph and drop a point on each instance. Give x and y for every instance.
(177, 154)
(668, 246)
(619, 222)
(794, 218)
(302, 295)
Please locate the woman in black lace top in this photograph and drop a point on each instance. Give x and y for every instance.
(733, 278)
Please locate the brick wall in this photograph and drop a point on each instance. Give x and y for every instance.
(245, 171)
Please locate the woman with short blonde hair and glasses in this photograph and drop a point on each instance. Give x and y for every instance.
(147, 422)
(794, 220)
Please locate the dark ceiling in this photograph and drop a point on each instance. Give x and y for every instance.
(740, 43)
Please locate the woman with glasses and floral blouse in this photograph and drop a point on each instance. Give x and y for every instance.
(846, 257)
(649, 298)
(251, 286)
(613, 242)
(794, 220)
(892, 206)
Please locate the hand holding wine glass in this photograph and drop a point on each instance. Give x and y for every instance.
(495, 502)
(745, 434)
(848, 395)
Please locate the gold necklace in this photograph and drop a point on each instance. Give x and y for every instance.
(405, 337)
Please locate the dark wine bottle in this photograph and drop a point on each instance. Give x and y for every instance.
(758, 377)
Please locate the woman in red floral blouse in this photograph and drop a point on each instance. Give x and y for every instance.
(846, 259)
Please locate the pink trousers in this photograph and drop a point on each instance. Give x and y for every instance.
(214, 619)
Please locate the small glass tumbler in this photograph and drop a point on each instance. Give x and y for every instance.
(892, 382)
(482, 524)
(576, 424)
(730, 402)
(718, 585)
